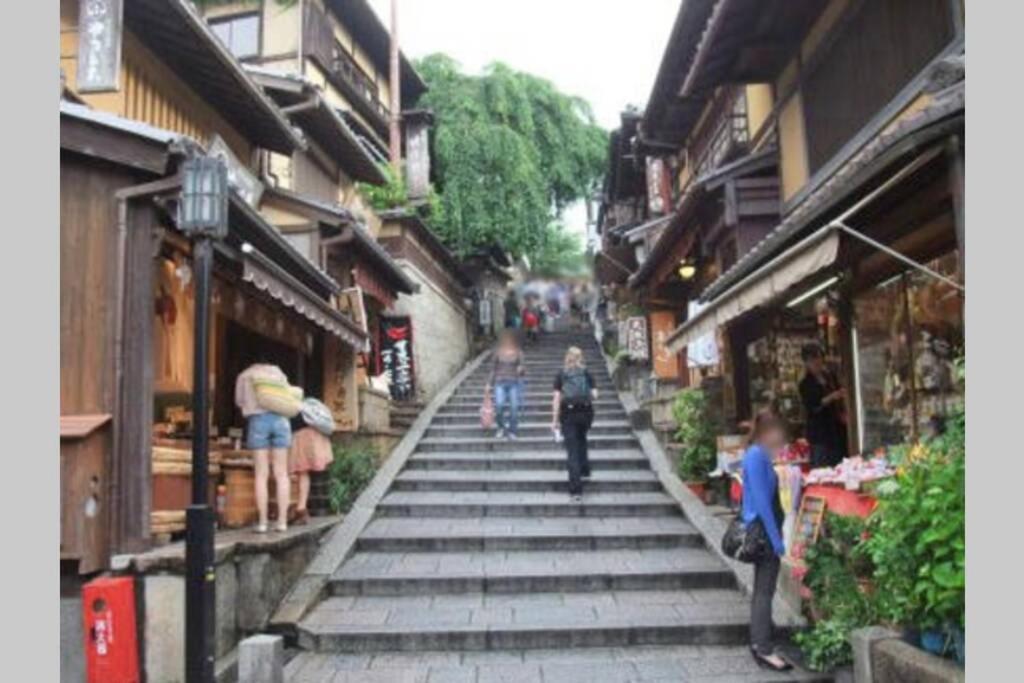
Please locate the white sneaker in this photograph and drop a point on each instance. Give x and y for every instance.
(500, 434)
(511, 437)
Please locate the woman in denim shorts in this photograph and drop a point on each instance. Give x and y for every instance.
(268, 436)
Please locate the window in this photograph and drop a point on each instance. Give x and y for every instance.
(909, 331)
(240, 33)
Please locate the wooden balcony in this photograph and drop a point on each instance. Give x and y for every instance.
(341, 68)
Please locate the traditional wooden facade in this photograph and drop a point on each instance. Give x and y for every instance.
(851, 129)
(126, 307)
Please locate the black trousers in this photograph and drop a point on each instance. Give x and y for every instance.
(574, 430)
(766, 575)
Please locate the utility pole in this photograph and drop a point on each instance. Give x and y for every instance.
(395, 84)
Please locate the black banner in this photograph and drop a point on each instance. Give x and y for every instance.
(394, 356)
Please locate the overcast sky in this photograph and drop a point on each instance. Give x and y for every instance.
(606, 51)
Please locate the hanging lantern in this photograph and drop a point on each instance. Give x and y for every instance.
(203, 205)
(687, 269)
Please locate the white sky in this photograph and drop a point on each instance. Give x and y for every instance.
(606, 51)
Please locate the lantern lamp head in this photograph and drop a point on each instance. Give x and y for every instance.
(203, 206)
(687, 269)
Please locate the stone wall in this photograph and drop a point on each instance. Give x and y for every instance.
(253, 575)
(440, 334)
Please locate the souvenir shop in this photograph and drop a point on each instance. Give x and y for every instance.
(260, 313)
(884, 301)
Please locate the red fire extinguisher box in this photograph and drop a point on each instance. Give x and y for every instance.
(111, 651)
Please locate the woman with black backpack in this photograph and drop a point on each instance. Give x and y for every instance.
(572, 408)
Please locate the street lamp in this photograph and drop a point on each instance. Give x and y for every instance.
(203, 217)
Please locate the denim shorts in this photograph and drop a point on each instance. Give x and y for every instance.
(267, 430)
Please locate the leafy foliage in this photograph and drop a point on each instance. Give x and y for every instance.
(912, 549)
(918, 536)
(353, 467)
(391, 195)
(694, 430)
(836, 564)
(510, 153)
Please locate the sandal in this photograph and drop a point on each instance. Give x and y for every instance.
(765, 663)
(300, 518)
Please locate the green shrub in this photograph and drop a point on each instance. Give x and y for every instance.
(834, 566)
(918, 536)
(353, 467)
(694, 431)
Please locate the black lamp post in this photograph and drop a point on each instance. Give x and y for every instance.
(203, 217)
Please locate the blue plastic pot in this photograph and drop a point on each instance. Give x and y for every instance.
(934, 641)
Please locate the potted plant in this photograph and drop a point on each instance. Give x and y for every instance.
(917, 543)
(695, 440)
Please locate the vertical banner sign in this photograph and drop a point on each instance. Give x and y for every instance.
(665, 362)
(395, 356)
(657, 186)
(636, 338)
(99, 45)
(485, 313)
(417, 157)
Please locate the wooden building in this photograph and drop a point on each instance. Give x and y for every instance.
(161, 86)
(860, 109)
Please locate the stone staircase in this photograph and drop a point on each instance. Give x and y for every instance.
(477, 566)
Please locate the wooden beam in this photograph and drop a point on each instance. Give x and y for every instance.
(955, 154)
(112, 145)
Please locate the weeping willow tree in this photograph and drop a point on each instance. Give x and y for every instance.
(510, 152)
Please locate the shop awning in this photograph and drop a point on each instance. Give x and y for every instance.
(267, 277)
(614, 265)
(813, 255)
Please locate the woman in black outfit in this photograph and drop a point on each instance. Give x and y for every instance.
(572, 408)
(822, 397)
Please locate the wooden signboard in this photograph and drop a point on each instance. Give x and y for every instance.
(394, 356)
(240, 178)
(417, 157)
(658, 196)
(666, 363)
(99, 45)
(636, 338)
(808, 520)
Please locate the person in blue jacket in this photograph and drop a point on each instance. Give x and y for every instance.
(761, 501)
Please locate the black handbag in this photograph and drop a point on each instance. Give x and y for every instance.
(746, 542)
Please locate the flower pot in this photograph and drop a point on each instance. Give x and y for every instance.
(699, 489)
(933, 641)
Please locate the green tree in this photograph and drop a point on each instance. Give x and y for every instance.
(510, 153)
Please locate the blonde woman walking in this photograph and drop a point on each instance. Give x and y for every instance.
(572, 409)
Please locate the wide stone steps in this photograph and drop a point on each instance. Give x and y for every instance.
(604, 481)
(420, 573)
(482, 621)
(526, 429)
(472, 417)
(635, 664)
(607, 459)
(526, 533)
(478, 566)
(531, 444)
(521, 504)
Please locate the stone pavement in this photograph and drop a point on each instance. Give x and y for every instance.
(476, 565)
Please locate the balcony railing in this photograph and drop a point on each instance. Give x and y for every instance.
(343, 65)
(729, 134)
(342, 69)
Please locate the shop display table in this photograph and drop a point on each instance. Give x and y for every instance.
(842, 502)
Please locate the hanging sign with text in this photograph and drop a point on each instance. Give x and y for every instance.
(99, 45)
(395, 358)
(636, 338)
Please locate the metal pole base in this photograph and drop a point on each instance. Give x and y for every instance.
(200, 593)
